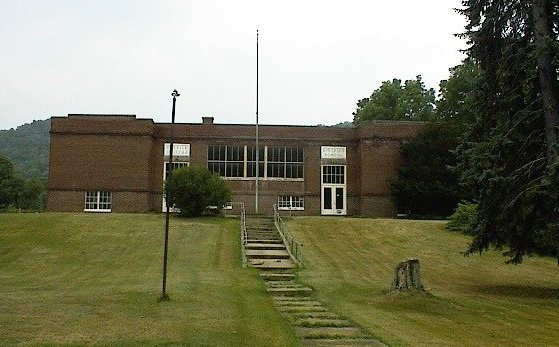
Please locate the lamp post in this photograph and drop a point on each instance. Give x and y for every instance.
(164, 295)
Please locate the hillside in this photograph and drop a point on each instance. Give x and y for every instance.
(472, 301)
(27, 147)
(77, 279)
(95, 279)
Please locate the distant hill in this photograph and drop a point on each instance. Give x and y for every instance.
(27, 147)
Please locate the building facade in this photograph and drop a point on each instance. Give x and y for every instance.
(118, 163)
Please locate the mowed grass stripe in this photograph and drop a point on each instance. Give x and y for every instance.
(75, 279)
(473, 301)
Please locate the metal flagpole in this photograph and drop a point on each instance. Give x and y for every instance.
(257, 149)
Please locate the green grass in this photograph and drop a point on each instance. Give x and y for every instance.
(77, 279)
(472, 301)
(94, 279)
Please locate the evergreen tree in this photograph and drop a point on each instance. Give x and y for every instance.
(509, 157)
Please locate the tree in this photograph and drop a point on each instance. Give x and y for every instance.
(10, 185)
(28, 148)
(193, 188)
(18, 193)
(509, 157)
(394, 101)
(426, 185)
(458, 94)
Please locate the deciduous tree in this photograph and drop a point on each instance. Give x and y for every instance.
(396, 101)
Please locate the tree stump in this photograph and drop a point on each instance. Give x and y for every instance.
(407, 276)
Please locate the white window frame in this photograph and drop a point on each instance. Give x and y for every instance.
(291, 203)
(265, 163)
(98, 201)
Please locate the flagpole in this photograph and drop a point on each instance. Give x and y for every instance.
(257, 149)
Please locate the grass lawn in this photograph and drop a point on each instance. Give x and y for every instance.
(473, 301)
(76, 279)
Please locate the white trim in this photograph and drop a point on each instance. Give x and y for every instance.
(97, 201)
(333, 186)
(291, 202)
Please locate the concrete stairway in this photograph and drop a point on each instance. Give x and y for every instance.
(314, 323)
(265, 249)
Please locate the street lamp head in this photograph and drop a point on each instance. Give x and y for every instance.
(175, 93)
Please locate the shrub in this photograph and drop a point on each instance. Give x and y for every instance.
(461, 218)
(193, 188)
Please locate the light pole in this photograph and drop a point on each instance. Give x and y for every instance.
(257, 149)
(164, 295)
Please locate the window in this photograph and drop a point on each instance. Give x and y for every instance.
(98, 201)
(285, 162)
(176, 165)
(240, 161)
(333, 174)
(251, 161)
(228, 161)
(291, 202)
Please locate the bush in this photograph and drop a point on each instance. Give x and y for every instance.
(462, 217)
(193, 188)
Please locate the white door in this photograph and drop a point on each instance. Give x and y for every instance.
(333, 194)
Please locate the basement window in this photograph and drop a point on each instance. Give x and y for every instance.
(291, 202)
(97, 201)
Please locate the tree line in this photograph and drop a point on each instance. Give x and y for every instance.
(17, 193)
(24, 153)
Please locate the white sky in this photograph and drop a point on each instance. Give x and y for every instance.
(317, 57)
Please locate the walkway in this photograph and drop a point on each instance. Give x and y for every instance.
(313, 322)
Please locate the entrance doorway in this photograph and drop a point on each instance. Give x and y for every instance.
(333, 193)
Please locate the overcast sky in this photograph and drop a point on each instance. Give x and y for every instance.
(317, 57)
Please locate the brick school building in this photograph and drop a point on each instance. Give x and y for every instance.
(118, 163)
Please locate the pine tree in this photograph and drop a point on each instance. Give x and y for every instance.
(509, 157)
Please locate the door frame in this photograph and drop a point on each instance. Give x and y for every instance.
(334, 186)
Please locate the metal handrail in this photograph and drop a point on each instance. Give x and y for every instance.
(244, 235)
(294, 248)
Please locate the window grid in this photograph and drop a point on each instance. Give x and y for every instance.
(274, 161)
(227, 161)
(333, 174)
(291, 202)
(98, 201)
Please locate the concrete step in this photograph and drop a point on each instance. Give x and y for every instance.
(292, 289)
(274, 236)
(343, 343)
(267, 254)
(315, 314)
(252, 241)
(254, 245)
(322, 322)
(327, 333)
(299, 303)
(272, 264)
(271, 276)
(293, 292)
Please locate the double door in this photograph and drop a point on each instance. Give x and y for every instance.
(333, 192)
